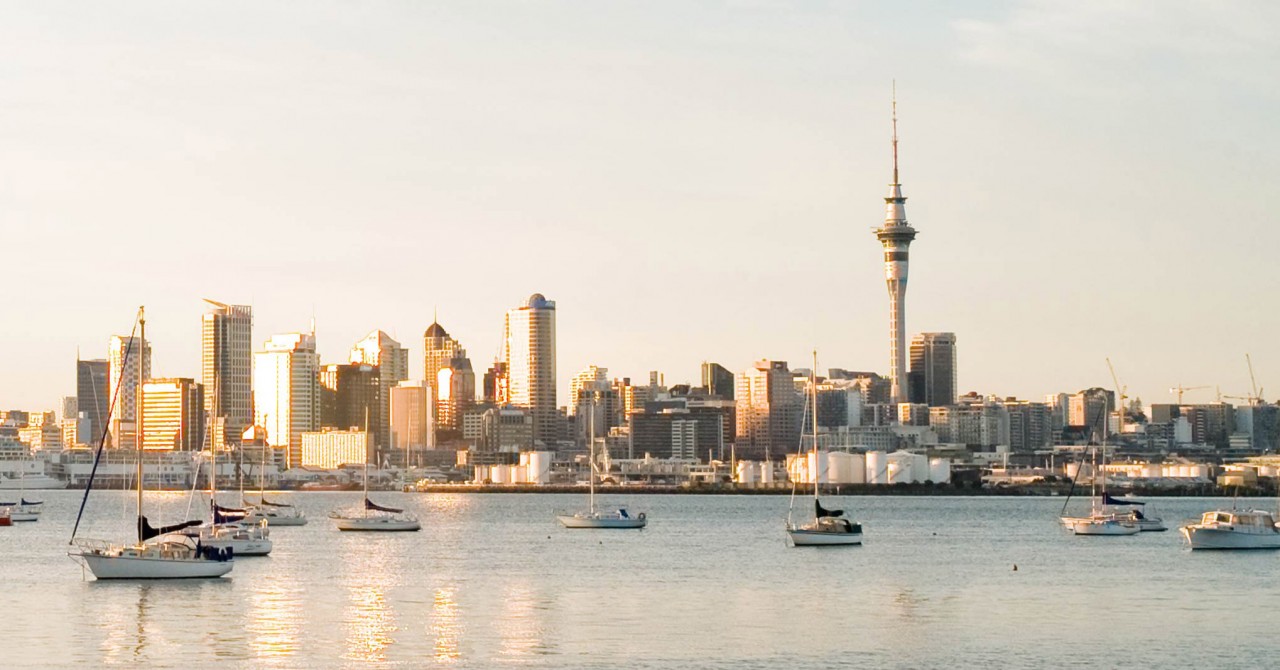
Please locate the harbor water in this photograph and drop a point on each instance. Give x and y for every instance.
(493, 581)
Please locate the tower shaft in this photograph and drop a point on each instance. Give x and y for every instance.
(896, 236)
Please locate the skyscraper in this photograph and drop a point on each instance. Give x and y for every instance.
(717, 380)
(411, 428)
(350, 396)
(439, 350)
(123, 386)
(932, 380)
(226, 367)
(173, 415)
(896, 236)
(286, 391)
(456, 389)
(377, 348)
(529, 350)
(93, 397)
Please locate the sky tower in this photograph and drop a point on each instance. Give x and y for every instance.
(896, 236)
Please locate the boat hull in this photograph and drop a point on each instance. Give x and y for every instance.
(107, 566)
(1107, 528)
(1214, 538)
(24, 516)
(821, 538)
(376, 525)
(583, 521)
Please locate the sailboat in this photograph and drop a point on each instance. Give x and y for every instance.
(372, 516)
(272, 513)
(828, 527)
(593, 517)
(173, 556)
(1101, 521)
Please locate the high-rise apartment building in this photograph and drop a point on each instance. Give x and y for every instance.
(286, 392)
(93, 398)
(717, 380)
(377, 348)
(123, 386)
(529, 350)
(769, 411)
(932, 380)
(1087, 411)
(226, 368)
(173, 415)
(585, 384)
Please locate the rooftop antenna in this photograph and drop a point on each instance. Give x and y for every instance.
(895, 131)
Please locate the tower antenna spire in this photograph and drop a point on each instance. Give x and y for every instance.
(895, 130)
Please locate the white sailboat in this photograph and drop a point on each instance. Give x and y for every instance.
(272, 513)
(176, 556)
(1100, 521)
(593, 517)
(372, 516)
(828, 526)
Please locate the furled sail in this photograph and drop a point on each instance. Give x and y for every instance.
(227, 514)
(1108, 500)
(146, 531)
(820, 511)
(369, 504)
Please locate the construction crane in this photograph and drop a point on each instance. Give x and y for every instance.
(1180, 389)
(1257, 392)
(1120, 408)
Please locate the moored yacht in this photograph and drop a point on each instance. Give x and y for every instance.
(1233, 529)
(375, 517)
(274, 514)
(174, 557)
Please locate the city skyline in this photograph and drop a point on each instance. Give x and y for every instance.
(1067, 215)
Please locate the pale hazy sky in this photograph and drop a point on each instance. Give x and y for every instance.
(689, 181)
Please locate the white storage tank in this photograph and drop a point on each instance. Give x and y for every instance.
(845, 468)
(766, 473)
(919, 468)
(899, 467)
(877, 468)
(816, 468)
(940, 470)
(747, 472)
(537, 467)
(500, 474)
(1198, 471)
(1152, 471)
(481, 474)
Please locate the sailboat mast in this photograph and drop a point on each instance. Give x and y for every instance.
(365, 503)
(591, 452)
(137, 410)
(813, 388)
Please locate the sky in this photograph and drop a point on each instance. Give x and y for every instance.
(689, 181)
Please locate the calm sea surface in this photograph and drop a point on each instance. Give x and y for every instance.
(493, 581)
